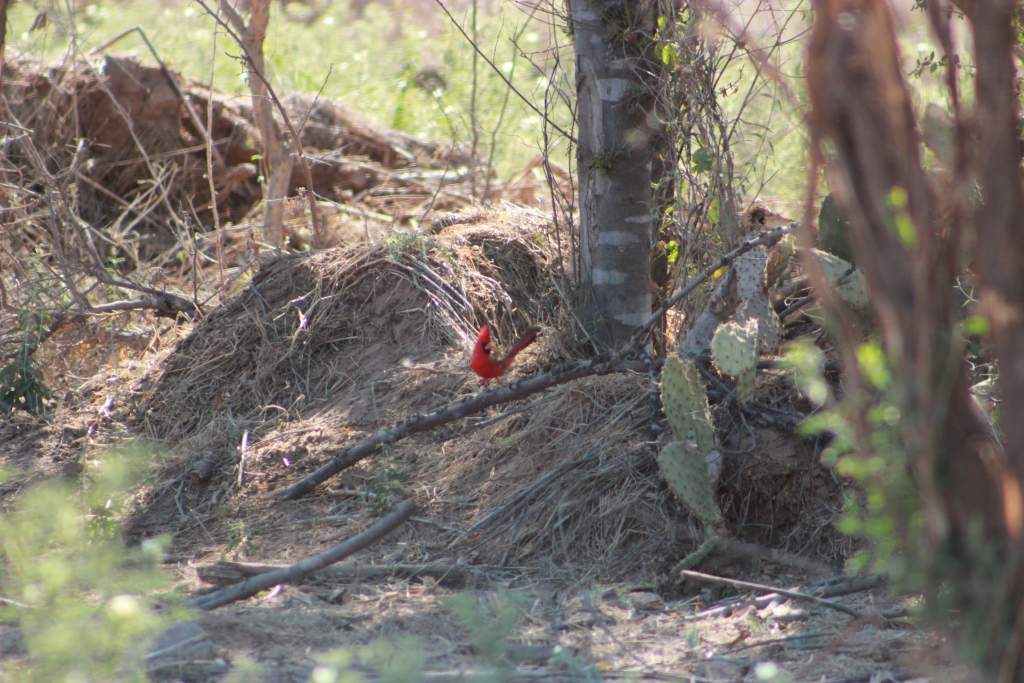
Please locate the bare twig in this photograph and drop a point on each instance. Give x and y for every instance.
(210, 151)
(501, 75)
(296, 140)
(451, 575)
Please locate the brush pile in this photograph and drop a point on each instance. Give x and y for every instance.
(321, 350)
(129, 149)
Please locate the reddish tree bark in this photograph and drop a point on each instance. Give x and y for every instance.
(969, 486)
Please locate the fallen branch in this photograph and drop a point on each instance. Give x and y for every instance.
(166, 306)
(605, 363)
(450, 575)
(773, 591)
(299, 570)
(761, 601)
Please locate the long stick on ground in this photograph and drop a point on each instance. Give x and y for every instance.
(449, 575)
(601, 365)
(605, 363)
(748, 585)
(297, 571)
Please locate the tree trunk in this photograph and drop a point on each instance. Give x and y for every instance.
(908, 246)
(277, 163)
(614, 154)
(3, 34)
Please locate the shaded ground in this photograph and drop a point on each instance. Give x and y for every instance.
(557, 499)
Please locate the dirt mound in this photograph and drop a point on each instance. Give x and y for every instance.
(313, 327)
(321, 350)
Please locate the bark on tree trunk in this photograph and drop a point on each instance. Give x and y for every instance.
(3, 33)
(277, 163)
(616, 139)
(968, 553)
(1000, 218)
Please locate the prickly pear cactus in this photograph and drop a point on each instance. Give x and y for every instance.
(834, 229)
(854, 289)
(684, 463)
(686, 404)
(749, 269)
(758, 309)
(752, 288)
(685, 470)
(734, 349)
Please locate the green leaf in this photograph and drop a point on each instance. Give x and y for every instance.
(669, 55)
(714, 212)
(975, 326)
(703, 159)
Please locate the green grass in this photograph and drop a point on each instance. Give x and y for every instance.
(369, 64)
(365, 63)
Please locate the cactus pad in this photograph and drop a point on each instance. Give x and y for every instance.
(685, 470)
(749, 269)
(834, 229)
(769, 327)
(686, 404)
(735, 349)
(854, 289)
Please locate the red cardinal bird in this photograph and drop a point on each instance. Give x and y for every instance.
(489, 368)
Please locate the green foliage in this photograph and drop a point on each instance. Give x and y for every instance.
(82, 600)
(808, 365)
(703, 159)
(383, 488)
(406, 242)
(489, 626)
(603, 161)
(22, 384)
(889, 514)
(769, 672)
(901, 223)
(399, 661)
(22, 387)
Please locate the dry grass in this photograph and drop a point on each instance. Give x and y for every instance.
(549, 495)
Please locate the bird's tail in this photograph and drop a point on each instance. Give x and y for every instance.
(528, 338)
